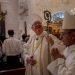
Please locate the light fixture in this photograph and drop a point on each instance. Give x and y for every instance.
(73, 11)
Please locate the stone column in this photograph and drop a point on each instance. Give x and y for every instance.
(11, 21)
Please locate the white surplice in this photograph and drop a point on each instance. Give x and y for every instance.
(64, 67)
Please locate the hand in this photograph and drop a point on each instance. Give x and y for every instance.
(56, 54)
(31, 61)
(50, 40)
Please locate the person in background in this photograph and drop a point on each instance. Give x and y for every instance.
(24, 36)
(23, 41)
(12, 49)
(37, 49)
(64, 64)
(27, 38)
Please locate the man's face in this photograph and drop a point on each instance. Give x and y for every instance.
(66, 37)
(37, 27)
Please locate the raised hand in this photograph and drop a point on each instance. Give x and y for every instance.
(56, 54)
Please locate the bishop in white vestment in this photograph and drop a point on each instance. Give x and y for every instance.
(65, 64)
(37, 50)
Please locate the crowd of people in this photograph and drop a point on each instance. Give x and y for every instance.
(43, 53)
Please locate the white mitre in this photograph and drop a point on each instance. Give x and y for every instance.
(68, 21)
(33, 18)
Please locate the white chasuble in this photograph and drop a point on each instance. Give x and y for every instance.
(39, 50)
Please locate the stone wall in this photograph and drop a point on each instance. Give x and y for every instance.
(16, 21)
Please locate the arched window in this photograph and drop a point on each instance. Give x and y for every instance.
(58, 17)
(56, 23)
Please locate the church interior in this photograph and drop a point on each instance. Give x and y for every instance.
(16, 14)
